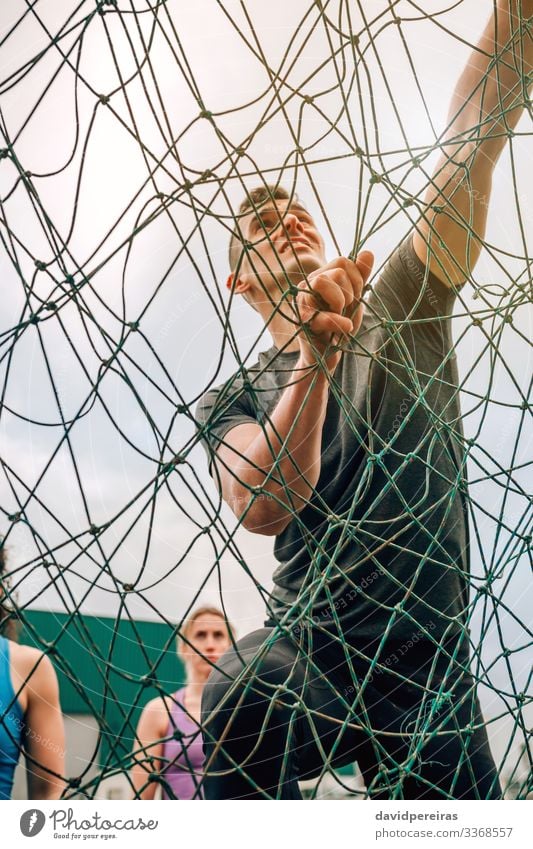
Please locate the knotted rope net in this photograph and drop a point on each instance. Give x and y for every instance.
(130, 132)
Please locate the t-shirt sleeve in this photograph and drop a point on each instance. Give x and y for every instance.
(220, 410)
(408, 295)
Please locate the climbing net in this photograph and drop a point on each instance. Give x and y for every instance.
(131, 130)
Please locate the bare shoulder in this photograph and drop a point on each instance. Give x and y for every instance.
(32, 674)
(155, 715)
(161, 704)
(27, 661)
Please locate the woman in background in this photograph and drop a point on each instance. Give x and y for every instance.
(169, 731)
(30, 713)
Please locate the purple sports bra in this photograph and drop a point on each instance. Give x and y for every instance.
(183, 755)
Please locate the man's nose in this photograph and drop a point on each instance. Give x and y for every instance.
(291, 222)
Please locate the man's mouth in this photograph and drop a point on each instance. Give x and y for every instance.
(295, 243)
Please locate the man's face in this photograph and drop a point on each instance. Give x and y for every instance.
(285, 246)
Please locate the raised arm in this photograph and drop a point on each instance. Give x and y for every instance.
(489, 98)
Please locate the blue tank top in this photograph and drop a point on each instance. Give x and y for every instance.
(11, 724)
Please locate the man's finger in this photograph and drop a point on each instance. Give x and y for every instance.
(324, 293)
(365, 264)
(324, 323)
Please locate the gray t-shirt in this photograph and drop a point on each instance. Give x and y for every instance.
(383, 542)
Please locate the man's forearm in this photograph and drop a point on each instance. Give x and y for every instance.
(267, 474)
(488, 100)
(491, 92)
(284, 460)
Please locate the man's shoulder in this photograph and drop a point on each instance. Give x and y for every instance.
(246, 380)
(407, 289)
(223, 395)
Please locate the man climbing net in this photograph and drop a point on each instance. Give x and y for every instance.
(367, 652)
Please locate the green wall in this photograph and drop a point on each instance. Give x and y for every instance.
(108, 668)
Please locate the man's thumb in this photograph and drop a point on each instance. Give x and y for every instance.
(365, 264)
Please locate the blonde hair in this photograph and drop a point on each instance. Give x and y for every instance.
(204, 610)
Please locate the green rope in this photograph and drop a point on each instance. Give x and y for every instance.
(105, 288)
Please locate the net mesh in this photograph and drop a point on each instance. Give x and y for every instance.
(130, 132)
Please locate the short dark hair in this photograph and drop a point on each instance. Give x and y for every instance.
(254, 200)
(9, 624)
